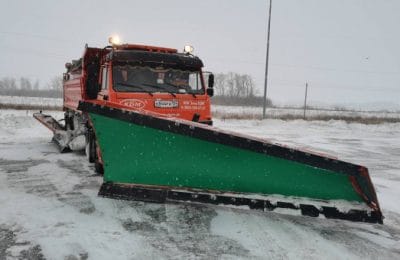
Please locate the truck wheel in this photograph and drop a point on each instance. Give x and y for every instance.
(90, 148)
(98, 167)
(69, 122)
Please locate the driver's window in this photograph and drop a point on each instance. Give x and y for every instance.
(104, 80)
(194, 81)
(206, 74)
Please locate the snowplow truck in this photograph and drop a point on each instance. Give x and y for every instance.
(142, 115)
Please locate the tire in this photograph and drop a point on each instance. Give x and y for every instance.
(98, 167)
(69, 122)
(90, 148)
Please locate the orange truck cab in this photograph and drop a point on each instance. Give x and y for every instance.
(142, 78)
(147, 79)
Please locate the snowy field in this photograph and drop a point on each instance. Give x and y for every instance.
(237, 112)
(49, 207)
(35, 101)
(256, 112)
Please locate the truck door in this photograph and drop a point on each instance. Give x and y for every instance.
(92, 71)
(103, 94)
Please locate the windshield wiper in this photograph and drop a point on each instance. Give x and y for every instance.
(159, 87)
(193, 94)
(173, 85)
(136, 86)
(179, 87)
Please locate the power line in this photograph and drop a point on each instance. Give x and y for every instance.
(39, 36)
(337, 37)
(332, 86)
(35, 52)
(334, 69)
(310, 67)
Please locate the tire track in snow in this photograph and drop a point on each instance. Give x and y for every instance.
(280, 236)
(19, 177)
(76, 197)
(39, 183)
(11, 248)
(362, 240)
(184, 228)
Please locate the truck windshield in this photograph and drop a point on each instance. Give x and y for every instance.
(127, 78)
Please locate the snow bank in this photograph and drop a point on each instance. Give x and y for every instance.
(42, 101)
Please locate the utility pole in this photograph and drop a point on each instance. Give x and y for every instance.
(266, 60)
(305, 101)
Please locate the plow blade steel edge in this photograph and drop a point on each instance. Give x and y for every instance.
(139, 150)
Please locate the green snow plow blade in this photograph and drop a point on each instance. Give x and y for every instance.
(155, 159)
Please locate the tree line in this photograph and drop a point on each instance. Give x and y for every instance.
(25, 87)
(230, 89)
(236, 89)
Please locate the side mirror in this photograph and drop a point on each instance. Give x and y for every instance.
(210, 89)
(210, 92)
(65, 76)
(211, 81)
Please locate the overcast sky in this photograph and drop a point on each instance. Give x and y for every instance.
(348, 50)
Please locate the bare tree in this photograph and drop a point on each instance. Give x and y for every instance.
(236, 89)
(220, 83)
(55, 83)
(234, 85)
(25, 84)
(8, 83)
(249, 86)
(9, 87)
(230, 81)
(36, 85)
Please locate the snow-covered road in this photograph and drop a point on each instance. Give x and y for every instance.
(49, 207)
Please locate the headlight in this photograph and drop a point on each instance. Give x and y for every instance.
(114, 40)
(188, 49)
